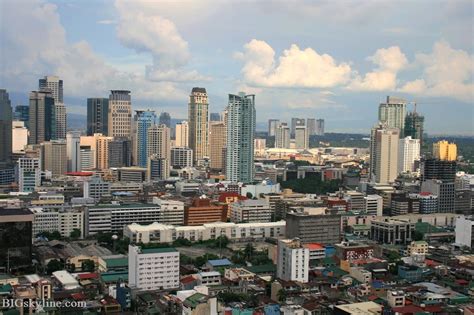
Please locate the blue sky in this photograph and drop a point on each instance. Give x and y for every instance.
(326, 59)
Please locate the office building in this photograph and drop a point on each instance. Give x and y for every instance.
(64, 221)
(445, 151)
(384, 144)
(250, 211)
(217, 143)
(132, 175)
(214, 117)
(158, 168)
(182, 134)
(42, 117)
(97, 116)
(414, 126)
(309, 228)
(87, 157)
(320, 127)
(373, 205)
(22, 113)
(171, 211)
(120, 114)
(282, 136)
(296, 122)
(272, 126)
(54, 85)
(165, 119)
(301, 138)
(202, 211)
(54, 157)
(29, 174)
(5, 128)
(73, 147)
(355, 200)
(240, 135)
(464, 231)
(463, 201)
(61, 120)
(120, 152)
(391, 231)
(15, 238)
(102, 150)
(293, 261)
(392, 113)
(159, 142)
(151, 269)
(445, 191)
(408, 153)
(401, 204)
(428, 202)
(95, 187)
(311, 126)
(181, 157)
(143, 120)
(438, 169)
(19, 136)
(198, 109)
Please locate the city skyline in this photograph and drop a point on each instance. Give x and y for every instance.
(344, 86)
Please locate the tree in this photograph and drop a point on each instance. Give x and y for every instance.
(75, 234)
(282, 295)
(249, 250)
(88, 265)
(393, 257)
(54, 265)
(417, 236)
(249, 195)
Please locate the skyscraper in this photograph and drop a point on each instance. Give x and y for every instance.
(54, 157)
(214, 117)
(311, 125)
(392, 113)
(55, 85)
(296, 122)
(443, 150)
(120, 114)
(384, 142)
(102, 151)
(158, 144)
(61, 120)
(165, 119)
(198, 122)
(282, 136)
(182, 134)
(22, 113)
(217, 143)
(29, 174)
(301, 137)
(414, 126)
(5, 128)
(97, 116)
(144, 119)
(73, 147)
(408, 153)
(120, 152)
(320, 127)
(240, 135)
(272, 126)
(42, 117)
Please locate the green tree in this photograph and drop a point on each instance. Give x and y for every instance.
(417, 236)
(393, 257)
(75, 234)
(88, 265)
(249, 250)
(282, 295)
(54, 265)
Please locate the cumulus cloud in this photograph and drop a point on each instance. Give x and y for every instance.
(295, 67)
(388, 61)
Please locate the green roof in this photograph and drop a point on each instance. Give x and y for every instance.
(425, 227)
(261, 268)
(158, 250)
(114, 276)
(194, 300)
(116, 262)
(6, 288)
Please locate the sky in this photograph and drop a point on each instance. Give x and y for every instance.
(335, 60)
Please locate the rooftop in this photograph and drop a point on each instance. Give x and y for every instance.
(158, 250)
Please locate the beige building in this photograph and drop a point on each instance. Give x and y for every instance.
(91, 142)
(19, 136)
(217, 143)
(198, 109)
(182, 134)
(102, 152)
(443, 150)
(159, 142)
(120, 114)
(54, 157)
(384, 145)
(301, 137)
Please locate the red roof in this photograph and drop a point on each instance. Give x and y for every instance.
(188, 279)
(410, 309)
(89, 275)
(313, 246)
(78, 296)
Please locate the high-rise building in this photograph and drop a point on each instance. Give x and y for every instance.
(54, 157)
(320, 127)
(384, 144)
(159, 143)
(182, 134)
(392, 113)
(217, 143)
(89, 143)
(445, 191)
(240, 135)
(309, 228)
(87, 158)
(214, 117)
(42, 117)
(198, 122)
(97, 116)
(282, 136)
(53, 84)
(120, 152)
(73, 147)
(61, 120)
(465, 231)
(181, 157)
(29, 174)
(102, 151)
(158, 168)
(272, 126)
(143, 120)
(438, 169)
(120, 114)
(296, 122)
(165, 119)
(414, 126)
(311, 126)
(293, 261)
(22, 113)
(19, 136)
(5, 128)
(408, 153)
(445, 151)
(301, 137)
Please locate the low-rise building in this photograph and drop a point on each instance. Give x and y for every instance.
(250, 211)
(391, 231)
(293, 261)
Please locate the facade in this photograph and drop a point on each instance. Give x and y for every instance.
(22, 113)
(120, 152)
(95, 188)
(301, 138)
(428, 202)
(181, 157)
(202, 211)
(97, 116)
(373, 205)
(323, 229)
(463, 201)
(282, 136)
(172, 211)
(143, 120)
(73, 148)
(5, 128)
(384, 144)
(408, 153)
(217, 144)
(102, 151)
(19, 136)
(391, 231)
(120, 114)
(438, 169)
(42, 117)
(240, 135)
(311, 126)
(293, 261)
(272, 125)
(214, 117)
(153, 268)
(29, 174)
(464, 231)
(414, 126)
(296, 122)
(445, 151)
(63, 221)
(445, 191)
(54, 85)
(392, 113)
(61, 120)
(165, 119)
(182, 134)
(320, 127)
(198, 112)
(250, 211)
(402, 204)
(159, 142)
(54, 157)
(158, 168)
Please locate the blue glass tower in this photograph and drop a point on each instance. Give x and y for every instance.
(143, 120)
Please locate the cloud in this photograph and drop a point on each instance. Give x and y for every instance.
(295, 67)
(389, 62)
(107, 22)
(145, 31)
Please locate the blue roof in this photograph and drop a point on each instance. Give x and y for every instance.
(219, 262)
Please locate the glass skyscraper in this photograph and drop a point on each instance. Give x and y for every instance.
(144, 119)
(97, 116)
